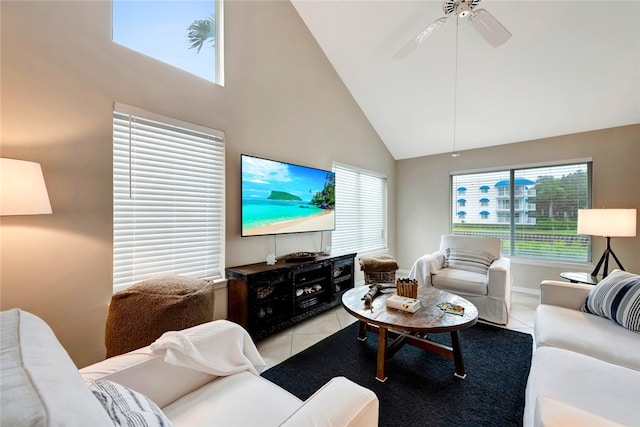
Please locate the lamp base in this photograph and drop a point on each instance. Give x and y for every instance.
(605, 258)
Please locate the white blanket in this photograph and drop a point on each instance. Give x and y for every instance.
(218, 348)
(425, 266)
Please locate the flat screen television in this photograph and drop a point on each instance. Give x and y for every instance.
(279, 197)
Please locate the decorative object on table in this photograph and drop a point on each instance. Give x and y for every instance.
(607, 223)
(398, 302)
(271, 259)
(407, 288)
(374, 291)
(447, 307)
(300, 256)
(23, 191)
(379, 269)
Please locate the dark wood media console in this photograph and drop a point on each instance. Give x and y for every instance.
(267, 298)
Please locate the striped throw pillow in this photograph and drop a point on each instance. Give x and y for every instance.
(127, 407)
(467, 259)
(617, 297)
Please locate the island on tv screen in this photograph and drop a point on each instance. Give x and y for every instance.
(280, 197)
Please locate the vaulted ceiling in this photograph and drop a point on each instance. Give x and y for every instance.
(570, 66)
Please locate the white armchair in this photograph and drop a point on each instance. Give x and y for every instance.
(472, 267)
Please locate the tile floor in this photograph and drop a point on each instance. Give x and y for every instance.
(288, 342)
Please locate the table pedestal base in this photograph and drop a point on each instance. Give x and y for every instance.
(386, 351)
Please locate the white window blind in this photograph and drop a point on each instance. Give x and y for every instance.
(533, 210)
(361, 206)
(168, 198)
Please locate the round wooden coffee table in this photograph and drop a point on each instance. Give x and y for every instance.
(411, 328)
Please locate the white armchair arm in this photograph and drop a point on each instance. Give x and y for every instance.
(499, 285)
(351, 406)
(564, 294)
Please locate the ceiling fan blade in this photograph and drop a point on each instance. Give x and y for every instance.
(422, 36)
(489, 27)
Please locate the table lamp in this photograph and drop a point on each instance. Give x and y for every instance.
(607, 223)
(22, 188)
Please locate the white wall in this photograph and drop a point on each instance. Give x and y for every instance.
(60, 75)
(424, 201)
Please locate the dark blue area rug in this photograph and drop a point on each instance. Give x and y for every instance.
(421, 388)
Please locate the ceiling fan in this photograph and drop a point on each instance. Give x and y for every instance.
(489, 27)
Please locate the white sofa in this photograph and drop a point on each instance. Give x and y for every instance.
(585, 368)
(472, 267)
(42, 387)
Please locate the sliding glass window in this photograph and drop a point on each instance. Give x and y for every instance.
(534, 210)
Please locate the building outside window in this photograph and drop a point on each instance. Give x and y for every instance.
(532, 209)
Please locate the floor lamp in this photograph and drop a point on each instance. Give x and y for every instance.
(22, 188)
(607, 223)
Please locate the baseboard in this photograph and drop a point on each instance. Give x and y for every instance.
(529, 291)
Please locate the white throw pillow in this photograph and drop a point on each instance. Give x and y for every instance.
(41, 385)
(468, 259)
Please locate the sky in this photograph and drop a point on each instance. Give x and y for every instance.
(260, 176)
(158, 28)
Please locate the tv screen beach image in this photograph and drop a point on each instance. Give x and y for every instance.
(280, 197)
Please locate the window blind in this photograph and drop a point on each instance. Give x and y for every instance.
(168, 198)
(532, 209)
(361, 206)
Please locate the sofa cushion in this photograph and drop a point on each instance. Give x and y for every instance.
(468, 259)
(553, 412)
(139, 369)
(41, 385)
(586, 333)
(617, 297)
(127, 407)
(607, 390)
(460, 281)
(242, 399)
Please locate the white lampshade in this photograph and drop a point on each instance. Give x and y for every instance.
(607, 222)
(22, 188)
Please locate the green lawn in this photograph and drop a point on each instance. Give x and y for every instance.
(557, 241)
